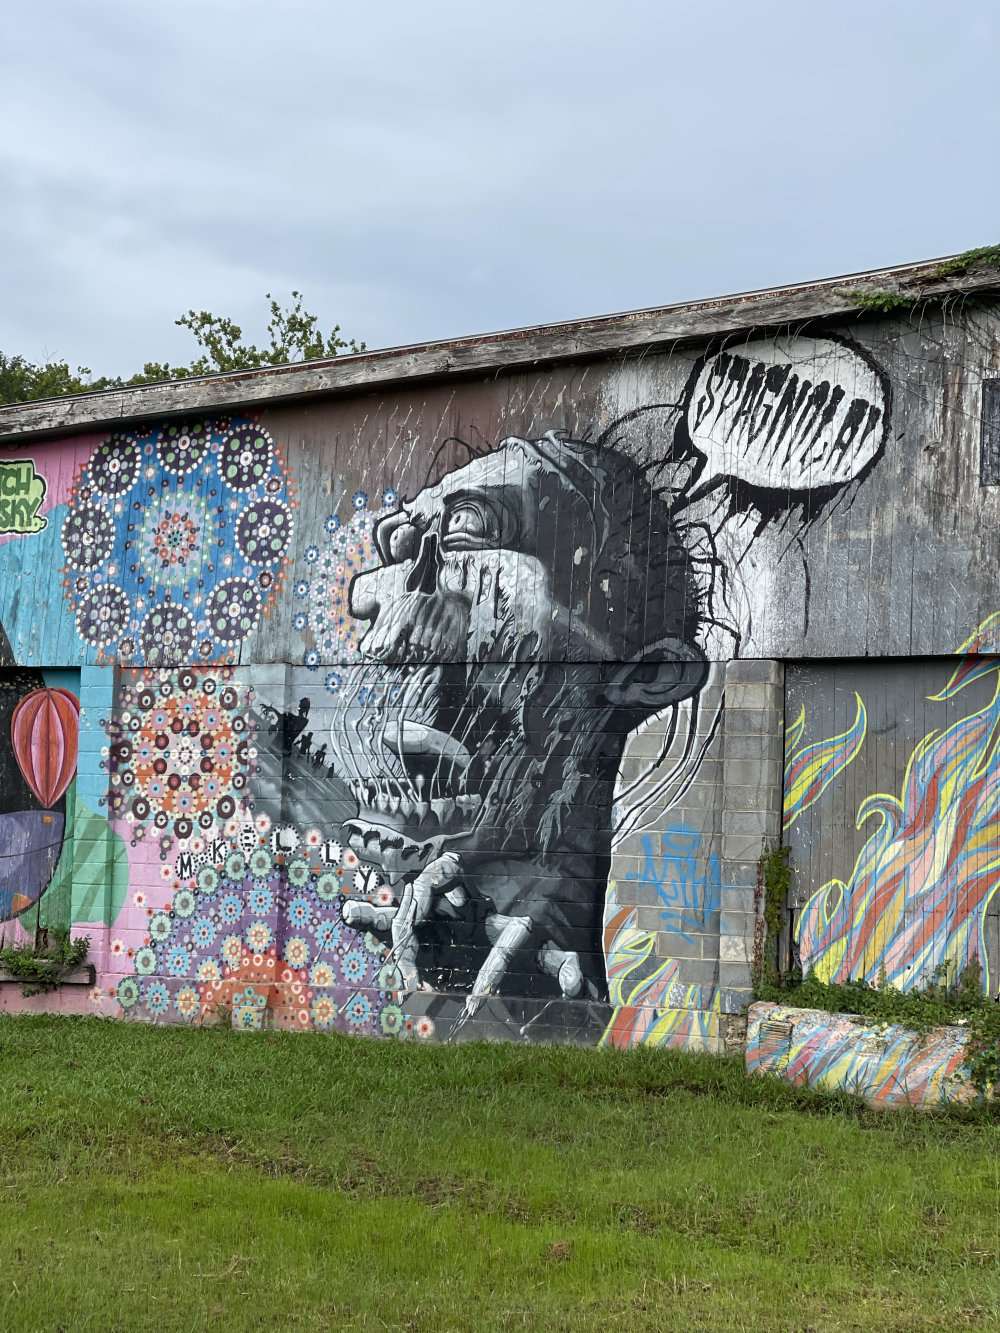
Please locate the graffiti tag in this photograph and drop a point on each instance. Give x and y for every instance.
(789, 414)
(688, 898)
(22, 491)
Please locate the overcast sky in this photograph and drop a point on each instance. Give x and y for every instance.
(426, 170)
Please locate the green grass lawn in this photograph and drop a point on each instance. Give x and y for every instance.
(181, 1179)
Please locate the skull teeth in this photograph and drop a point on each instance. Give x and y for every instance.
(387, 798)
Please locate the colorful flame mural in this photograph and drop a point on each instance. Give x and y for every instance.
(919, 893)
(651, 1006)
(809, 771)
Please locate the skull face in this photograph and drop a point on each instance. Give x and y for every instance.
(469, 574)
(509, 628)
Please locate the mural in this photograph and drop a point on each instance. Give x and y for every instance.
(512, 656)
(331, 633)
(21, 495)
(917, 903)
(247, 922)
(175, 541)
(885, 1064)
(417, 726)
(38, 757)
(179, 760)
(482, 771)
(810, 769)
(788, 414)
(652, 1005)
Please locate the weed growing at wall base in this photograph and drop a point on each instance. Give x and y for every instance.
(774, 880)
(42, 966)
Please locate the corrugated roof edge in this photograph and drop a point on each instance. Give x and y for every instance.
(574, 340)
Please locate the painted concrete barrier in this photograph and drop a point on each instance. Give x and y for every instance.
(886, 1064)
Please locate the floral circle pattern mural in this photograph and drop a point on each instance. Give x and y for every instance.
(263, 933)
(179, 757)
(176, 542)
(322, 614)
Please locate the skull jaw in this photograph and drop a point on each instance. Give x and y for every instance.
(402, 847)
(396, 854)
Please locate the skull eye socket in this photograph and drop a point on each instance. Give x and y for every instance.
(470, 525)
(397, 538)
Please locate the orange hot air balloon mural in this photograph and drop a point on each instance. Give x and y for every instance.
(45, 730)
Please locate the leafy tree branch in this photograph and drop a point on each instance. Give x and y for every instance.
(293, 335)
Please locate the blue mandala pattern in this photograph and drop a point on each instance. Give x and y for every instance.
(176, 542)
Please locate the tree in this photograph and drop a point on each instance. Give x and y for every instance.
(21, 380)
(294, 335)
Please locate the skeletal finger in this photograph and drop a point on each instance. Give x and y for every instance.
(357, 912)
(508, 934)
(564, 965)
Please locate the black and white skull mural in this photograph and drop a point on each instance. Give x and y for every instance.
(530, 612)
(520, 620)
(512, 654)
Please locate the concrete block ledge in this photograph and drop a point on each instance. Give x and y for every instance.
(886, 1064)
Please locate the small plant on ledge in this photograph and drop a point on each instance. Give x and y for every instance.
(43, 966)
(910, 294)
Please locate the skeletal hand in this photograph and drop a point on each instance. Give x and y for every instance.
(438, 878)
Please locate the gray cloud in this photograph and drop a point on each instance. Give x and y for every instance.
(426, 171)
